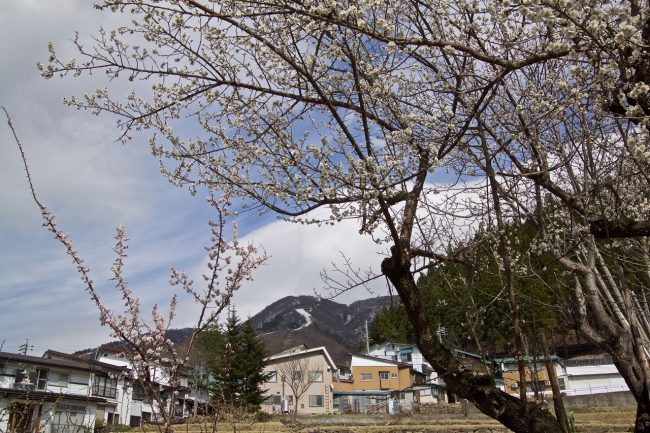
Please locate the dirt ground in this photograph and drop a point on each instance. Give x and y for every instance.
(597, 420)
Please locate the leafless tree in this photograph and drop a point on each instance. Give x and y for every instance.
(299, 373)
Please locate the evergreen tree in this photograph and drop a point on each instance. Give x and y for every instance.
(235, 357)
(228, 376)
(468, 300)
(391, 324)
(252, 353)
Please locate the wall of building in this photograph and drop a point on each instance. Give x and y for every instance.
(280, 390)
(374, 382)
(594, 379)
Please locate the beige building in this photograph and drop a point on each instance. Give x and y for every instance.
(300, 381)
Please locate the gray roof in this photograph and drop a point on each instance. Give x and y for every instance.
(53, 354)
(76, 364)
(377, 358)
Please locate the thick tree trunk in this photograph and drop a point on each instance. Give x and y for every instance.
(628, 363)
(642, 421)
(519, 416)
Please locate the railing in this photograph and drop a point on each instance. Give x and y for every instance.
(378, 407)
(596, 389)
(604, 389)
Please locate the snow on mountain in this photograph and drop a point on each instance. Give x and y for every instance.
(306, 315)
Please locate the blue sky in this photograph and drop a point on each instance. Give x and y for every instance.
(93, 184)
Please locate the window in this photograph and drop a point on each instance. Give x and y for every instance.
(41, 381)
(138, 393)
(297, 376)
(113, 418)
(272, 376)
(366, 376)
(316, 376)
(21, 374)
(561, 382)
(272, 399)
(59, 379)
(393, 375)
(290, 399)
(146, 416)
(315, 401)
(402, 396)
(104, 386)
(134, 421)
(425, 392)
(383, 375)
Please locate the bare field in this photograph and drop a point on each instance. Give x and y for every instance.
(596, 420)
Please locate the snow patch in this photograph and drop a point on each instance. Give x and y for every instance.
(304, 314)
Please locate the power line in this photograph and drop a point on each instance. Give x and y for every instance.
(25, 347)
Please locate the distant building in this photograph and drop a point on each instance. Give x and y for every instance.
(374, 382)
(54, 395)
(136, 408)
(317, 399)
(591, 374)
(537, 379)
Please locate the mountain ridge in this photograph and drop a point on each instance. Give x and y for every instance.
(305, 319)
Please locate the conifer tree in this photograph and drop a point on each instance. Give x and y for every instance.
(251, 363)
(235, 357)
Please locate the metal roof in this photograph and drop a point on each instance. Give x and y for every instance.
(77, 358)
(382, 393)
(299, 352)
(49, 396)
(70, 361)
(389, 361)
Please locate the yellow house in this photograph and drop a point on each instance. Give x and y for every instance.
(537, 377)
(374, 382)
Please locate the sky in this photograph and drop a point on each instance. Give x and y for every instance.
(93, 184)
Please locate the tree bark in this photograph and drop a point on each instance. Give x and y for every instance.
(558, 404)
(519, 416)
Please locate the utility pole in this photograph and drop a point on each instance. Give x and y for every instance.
(367, 339)
(25, 347)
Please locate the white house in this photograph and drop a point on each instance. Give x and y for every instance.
(135, 408)
(402, 352)
(592, 374)
(49, 395)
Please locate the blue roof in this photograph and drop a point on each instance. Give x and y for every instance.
(382, 393)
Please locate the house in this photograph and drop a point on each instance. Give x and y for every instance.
(374, 382)
(51, 395)
(591, 374)
(536, 376)
(137, 408)
(407, 353)
(126, 402)
(435, 390)
(107, 381)
(299, 378)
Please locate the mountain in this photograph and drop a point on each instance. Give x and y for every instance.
(296, 320)
(308, 320)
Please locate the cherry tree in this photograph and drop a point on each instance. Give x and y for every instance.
(156, 363)
(395, 114)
